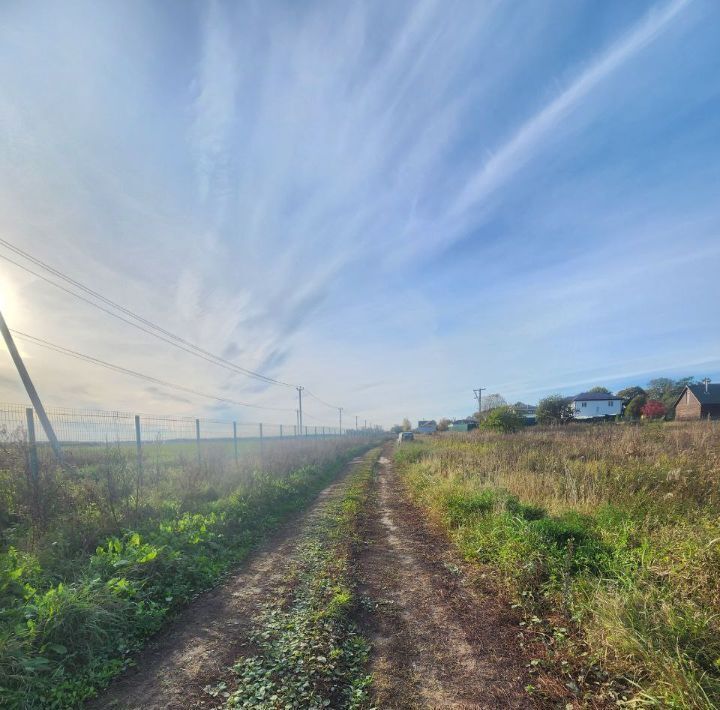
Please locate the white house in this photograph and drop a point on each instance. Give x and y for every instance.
(596, 404)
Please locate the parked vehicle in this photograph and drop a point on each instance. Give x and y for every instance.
(405, 436)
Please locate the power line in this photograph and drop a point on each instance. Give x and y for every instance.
(322, 401)
(142, 323)
(126, 371)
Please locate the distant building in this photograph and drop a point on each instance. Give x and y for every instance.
(463, 425)
(527, 411)
(426, 426)
(698, 402)
(591, 405)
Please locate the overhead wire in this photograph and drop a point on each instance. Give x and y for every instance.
(141, 323)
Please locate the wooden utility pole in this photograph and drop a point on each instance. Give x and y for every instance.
(30, 389)
(478, 396)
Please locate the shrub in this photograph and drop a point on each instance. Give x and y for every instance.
(653, 409)
(503, 419)
(555, 409)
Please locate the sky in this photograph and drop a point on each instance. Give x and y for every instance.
(388, 203)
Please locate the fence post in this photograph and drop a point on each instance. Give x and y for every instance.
(138, 443)
(235, 443)
(197, 438)
(261, 445)
(32, 445)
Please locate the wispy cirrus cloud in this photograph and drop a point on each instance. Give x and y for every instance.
(527, 140)
(404, 193)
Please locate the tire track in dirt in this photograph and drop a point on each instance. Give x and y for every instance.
(438, 642)
(209, 636)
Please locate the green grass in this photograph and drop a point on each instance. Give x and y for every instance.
(310, 654)
(62, 639)
(610, 532)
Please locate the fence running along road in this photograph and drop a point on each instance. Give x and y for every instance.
(83, 429)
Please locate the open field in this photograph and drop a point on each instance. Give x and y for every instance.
(572, 566)
(606, 536)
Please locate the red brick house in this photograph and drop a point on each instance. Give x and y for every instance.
(698, 402)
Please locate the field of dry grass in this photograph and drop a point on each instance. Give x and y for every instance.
(608, 535)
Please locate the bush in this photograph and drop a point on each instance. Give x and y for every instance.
(555, 409)
(653, 409)
(503, 419)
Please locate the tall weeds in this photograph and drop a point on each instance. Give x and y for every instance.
(616, 526)
(71, 617)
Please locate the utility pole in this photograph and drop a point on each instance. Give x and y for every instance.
(478, 396)
(356, 424)
(299, 390)
(340, 412)
(30, 389)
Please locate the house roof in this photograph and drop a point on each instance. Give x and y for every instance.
(594, 397)
(712, 396)
(427, 422)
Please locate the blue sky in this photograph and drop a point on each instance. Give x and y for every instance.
(390, 203)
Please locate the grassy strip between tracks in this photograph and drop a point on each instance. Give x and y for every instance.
(309, 652)
(60, 645)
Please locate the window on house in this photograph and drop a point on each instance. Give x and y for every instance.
(584, 404)
(611, 403)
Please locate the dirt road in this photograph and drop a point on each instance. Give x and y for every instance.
(200, 645)
(438, 641)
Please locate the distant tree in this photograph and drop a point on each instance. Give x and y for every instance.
(654, 409)
(503, 419)
(600, 390)
(406, 425)
(443, 424)
(492, 401)
(633, 409)
(665, 390)
(396, 429)
(554, 409)
(629, 393)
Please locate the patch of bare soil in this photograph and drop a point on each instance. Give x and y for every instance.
(199, 646)
(439, 641)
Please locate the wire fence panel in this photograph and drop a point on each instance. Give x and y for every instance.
(92, 426)
(80, 431)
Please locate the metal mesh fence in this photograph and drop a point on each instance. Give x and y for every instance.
(85, 427)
